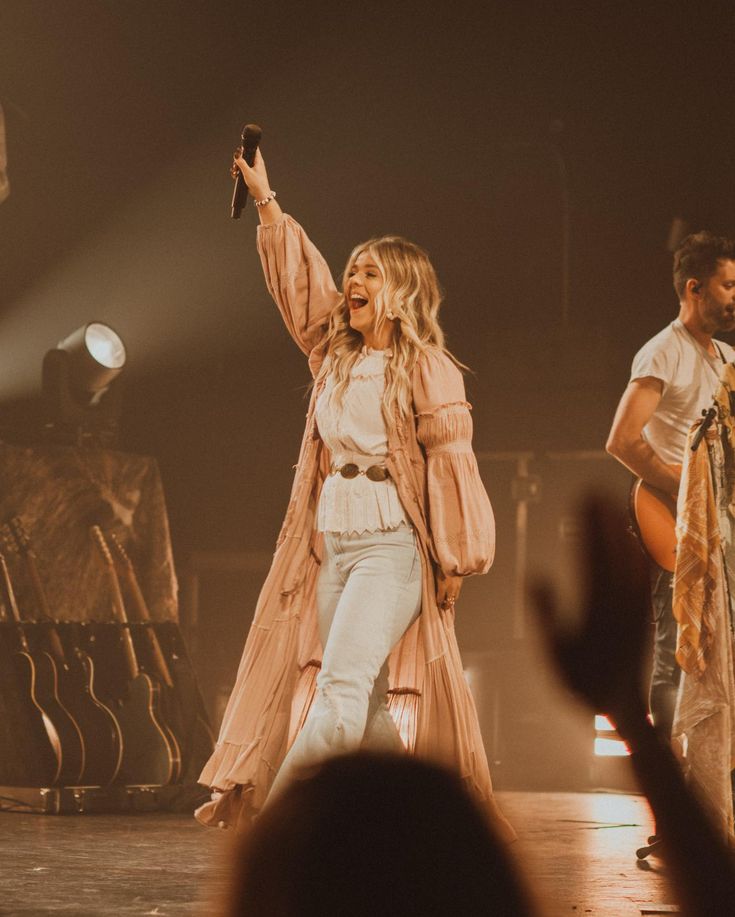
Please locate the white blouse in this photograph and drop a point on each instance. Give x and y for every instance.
(355, 432)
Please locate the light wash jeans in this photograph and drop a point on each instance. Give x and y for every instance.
(368, 595)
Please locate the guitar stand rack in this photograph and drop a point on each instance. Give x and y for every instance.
(81, 800)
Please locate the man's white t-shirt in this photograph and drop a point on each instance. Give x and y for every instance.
(690, 376)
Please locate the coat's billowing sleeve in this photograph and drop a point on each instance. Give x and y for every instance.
(461, 519)
(298, 279)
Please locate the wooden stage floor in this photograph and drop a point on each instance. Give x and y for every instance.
(578, 850)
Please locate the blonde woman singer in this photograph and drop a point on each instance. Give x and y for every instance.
(387, 516)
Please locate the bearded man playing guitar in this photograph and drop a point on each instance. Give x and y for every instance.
(673, 380)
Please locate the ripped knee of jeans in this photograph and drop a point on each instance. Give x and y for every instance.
(331, 726)
(339, 715)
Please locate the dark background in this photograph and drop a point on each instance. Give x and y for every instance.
(447, 125)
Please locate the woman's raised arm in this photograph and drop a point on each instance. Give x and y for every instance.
(297, 276)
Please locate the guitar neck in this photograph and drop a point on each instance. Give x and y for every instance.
(142, 613)
(118, 605)
(39, 593)
(9, 597)
(23, 544)
(41, 600)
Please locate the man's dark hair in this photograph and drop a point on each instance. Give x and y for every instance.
(698, 257)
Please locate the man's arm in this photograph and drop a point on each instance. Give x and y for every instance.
(626, 443)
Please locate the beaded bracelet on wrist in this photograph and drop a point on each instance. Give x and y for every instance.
(266, 200)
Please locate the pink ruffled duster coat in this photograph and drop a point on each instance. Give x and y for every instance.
(430, 459)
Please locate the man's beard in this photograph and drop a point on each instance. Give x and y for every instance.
(719, 318)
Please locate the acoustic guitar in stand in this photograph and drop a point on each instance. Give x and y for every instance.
(101, 733)
(148, 755)
(653, 514)
(182, 700)
(36, 675)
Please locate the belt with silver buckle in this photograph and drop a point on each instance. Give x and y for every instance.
(373, 473)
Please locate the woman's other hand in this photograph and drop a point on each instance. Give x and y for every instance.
(447, 589)
(601, 656)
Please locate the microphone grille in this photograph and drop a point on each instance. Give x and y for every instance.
(251, 135)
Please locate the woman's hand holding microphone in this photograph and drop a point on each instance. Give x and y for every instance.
(256, 178)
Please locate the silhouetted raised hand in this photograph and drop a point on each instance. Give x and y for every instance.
(600, 657)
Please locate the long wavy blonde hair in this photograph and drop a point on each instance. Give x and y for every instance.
(411, 292)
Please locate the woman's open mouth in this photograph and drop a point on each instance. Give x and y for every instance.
(357, 302)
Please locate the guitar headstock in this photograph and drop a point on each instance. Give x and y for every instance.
(19, 534)
(118, 605)
(5, 577)
(101, 542)
(119, 550)
(7, 540)
(22, 544)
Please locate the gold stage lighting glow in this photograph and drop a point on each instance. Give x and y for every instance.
(607, 741)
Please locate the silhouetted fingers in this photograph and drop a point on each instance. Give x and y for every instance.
(613, 567)
(545, 605)
(605, 534)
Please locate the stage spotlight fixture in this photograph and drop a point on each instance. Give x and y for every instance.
(81, 387)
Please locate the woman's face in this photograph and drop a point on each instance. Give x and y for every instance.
(364, 282)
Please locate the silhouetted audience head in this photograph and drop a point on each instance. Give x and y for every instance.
(375, 835)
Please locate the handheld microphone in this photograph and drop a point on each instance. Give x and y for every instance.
(249, 141)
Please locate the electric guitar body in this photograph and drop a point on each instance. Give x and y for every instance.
(92, 743)
(37, 672)
(99, 725)
(46, 693)
(146, 755)
(48, 755)
(654, 519)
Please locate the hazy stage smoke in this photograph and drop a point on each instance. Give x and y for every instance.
(169, 271)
